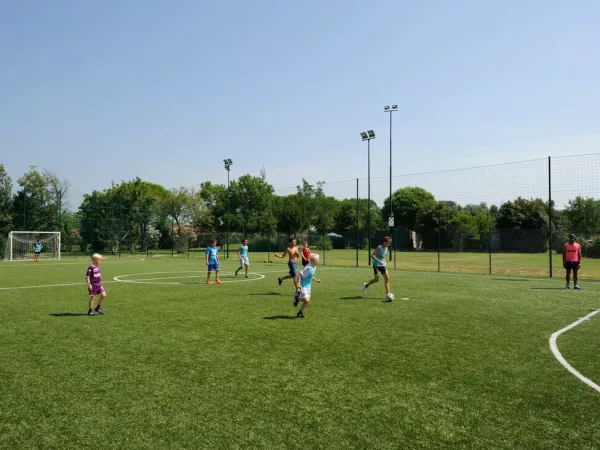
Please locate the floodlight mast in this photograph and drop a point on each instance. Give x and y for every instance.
(367, 136)
(228, 163)
(390, 109)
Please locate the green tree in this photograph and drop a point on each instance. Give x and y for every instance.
(584, 215)
(408, 203)
(6, 202)
(31, 209)
(523, 225)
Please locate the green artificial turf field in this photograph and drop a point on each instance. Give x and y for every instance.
(465, 362)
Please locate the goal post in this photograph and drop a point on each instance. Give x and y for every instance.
(21, 245)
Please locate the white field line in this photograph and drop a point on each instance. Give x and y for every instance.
(80, 263)
(560, 357)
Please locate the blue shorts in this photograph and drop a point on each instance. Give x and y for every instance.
(213, 266)
(292, 265)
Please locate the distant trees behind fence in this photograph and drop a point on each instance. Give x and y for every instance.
(139, 215)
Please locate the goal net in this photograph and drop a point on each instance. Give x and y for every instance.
(22, 245)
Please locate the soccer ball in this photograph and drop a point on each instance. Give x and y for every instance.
(389, 297)
(271, 261)
(264, 260)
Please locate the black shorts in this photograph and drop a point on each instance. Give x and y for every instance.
(36, 253)
(382, 270)
(572, 265)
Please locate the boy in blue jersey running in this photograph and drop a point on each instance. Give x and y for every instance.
(243, 255)
(379, 265)
(212, 261)
(305, 279)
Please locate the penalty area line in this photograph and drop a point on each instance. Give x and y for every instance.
(562, 360)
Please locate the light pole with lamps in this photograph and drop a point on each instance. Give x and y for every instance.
(390, 109)
(228, 163)
(367, 136)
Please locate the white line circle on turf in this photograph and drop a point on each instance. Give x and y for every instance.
(562, 360)
(177, 275)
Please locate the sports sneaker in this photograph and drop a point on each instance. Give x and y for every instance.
(577, 288)
(91, 313)
(365, 287)
(300, 315)
(246, 276)
(218, 282)
(236, 273)
(99, 310)
(279, 280)
(567, 287)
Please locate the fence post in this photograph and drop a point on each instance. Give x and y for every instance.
(439, 246)
(550, 215)
(490, 249)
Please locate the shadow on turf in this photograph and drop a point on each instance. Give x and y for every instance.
(549, 288)
(353, 297)
(266, 293)
(280, 317)
(68, 314)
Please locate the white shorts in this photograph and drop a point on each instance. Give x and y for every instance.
(305, 293)
(244, 261)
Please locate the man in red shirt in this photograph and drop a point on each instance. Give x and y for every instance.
(572, 260)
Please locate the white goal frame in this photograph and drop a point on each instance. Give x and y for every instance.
(31, 237)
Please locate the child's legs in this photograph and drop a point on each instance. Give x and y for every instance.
(305, 302)
(216, 274)
(568, 275)
(91, 302)
(575, 276)
(102, 298)
(386, 278)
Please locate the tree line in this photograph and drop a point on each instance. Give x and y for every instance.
(140, 215)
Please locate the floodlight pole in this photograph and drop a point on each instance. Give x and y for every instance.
(228, 164)
(390, 109)
(369, 195)
(367, 137)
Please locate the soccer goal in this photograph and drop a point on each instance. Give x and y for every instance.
(21, 245)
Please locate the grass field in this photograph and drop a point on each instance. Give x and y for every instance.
(465, 362)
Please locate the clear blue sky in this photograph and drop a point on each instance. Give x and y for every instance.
(110, 90)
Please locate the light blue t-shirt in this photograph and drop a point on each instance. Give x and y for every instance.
(244, 251)
(306, 276)
(381, 254)
(38, 247)
(212, 254)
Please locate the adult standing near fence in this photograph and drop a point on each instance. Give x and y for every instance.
(572, 260)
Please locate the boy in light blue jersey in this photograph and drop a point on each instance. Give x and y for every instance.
(305, 279)
(212, 261)
(37, 249)
(243, 255)
(379, 265)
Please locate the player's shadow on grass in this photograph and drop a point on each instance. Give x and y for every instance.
(549, 288)
(353, 297)
(280, 317)
(68, 314)
(266, 293)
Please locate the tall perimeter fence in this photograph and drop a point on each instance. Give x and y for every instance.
(524, 250)
(532, 248)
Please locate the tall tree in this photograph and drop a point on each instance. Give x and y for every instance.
(6, 210)
(407, 204)
(31, 204)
